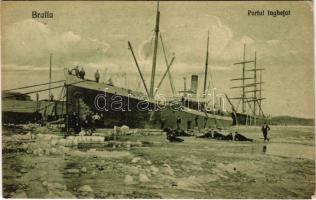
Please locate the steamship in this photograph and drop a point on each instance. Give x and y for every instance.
(120, 106)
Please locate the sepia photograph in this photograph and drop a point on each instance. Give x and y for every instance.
(157, 99)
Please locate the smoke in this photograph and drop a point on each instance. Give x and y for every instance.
(145, 49)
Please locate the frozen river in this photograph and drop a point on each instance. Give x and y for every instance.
(138, 166)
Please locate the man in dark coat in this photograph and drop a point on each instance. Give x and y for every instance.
(82, 73)
(178, 122)
(72, 120)
(97, 76)
(77, 125)
(265, 128)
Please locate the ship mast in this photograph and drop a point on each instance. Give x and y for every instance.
(255, 91)
(260, 93)
(206, 64)
(138, 68)
(243, 81)
(50, 76)
(152, 82)
(256, 97)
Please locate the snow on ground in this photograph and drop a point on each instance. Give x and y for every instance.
(47, 165)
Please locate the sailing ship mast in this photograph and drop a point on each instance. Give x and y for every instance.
(256, 101)
(153, 91)
(253, 86)
(50, 76)
(255, 91)
(206, 64)
(243, 80)
(260, 93)
(152, 82)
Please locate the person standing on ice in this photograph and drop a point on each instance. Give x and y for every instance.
(265, 129)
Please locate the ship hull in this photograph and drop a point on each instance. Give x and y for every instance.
(244, 119)
(26, 111)
(119, 106)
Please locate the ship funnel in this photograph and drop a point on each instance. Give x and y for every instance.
(194, 83)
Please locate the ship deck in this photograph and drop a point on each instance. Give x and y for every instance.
(102, 87)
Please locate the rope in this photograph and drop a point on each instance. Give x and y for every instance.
(44, 106)
(42, 90)
(60, 95)
(33, 92)
(8, 90)
(238, 105)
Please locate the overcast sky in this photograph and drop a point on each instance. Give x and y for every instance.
(95, 35)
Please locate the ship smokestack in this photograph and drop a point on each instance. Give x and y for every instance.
(194, 83)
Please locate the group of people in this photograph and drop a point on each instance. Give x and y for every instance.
(81, 73)
(219, 136)
(172, 134)
(88, 124)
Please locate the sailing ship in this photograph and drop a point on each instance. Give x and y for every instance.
(120, 106)
(251, 94)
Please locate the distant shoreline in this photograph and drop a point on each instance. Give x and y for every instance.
(289, 120)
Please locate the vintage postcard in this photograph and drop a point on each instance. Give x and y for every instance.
(148, 99)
